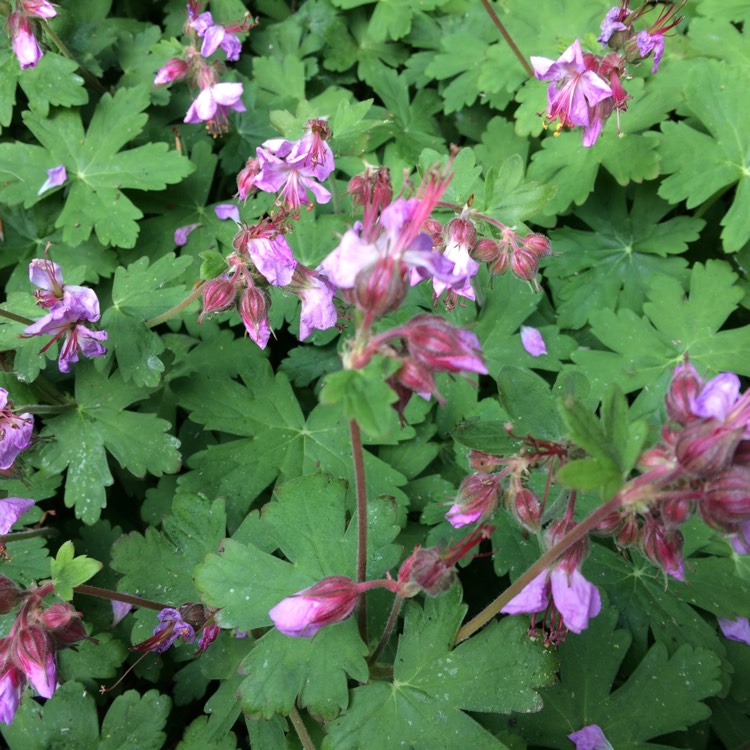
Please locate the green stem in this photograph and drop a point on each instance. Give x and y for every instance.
(116, 596)
(359, 477)
(177, 308)
(301, 729)
(397, 602)
(508, 38)
(15, 318)
(18, 536)
(87, 76)
(549, 557)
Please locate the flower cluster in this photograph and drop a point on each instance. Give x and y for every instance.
(69, 307)
(21, 30)
(520, 255)
(28, 654)
(585, 88)
(701, 465)
(216, 99)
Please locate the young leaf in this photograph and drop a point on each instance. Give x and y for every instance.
(69, 571)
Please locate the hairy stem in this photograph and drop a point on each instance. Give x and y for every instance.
(549, 557)
(359, 475)
(87, 75)
(116, 596)
(397, 602)
(177, 308)
(301, 729)
(508, 38)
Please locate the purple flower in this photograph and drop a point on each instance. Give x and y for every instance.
(181, 234)
(292, 176)
(590, 737)
(39, 8)
(612, 22)
(741, 540)
(214, 36)
(313, 149)
(318, 310)
(477, 497)
(171, 627)
(457, 250)
(575, 598)
(173, 70)
(717, 397)
(11, 509)
(33, 652)
(213, 104)
(574, 91)
(55, 177)
(269, 251)
(12, 683)
(226, 211)
(25, 45)
(15, 433)
(648, 43)
(532, 341)
(736, 630)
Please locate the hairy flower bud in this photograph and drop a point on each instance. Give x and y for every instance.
(33, 653)
(675, 511)
(538, 244)
(428, 570)
(526, 508)
(218, 295)
(499, 266)
(664, 548)
(64, 624)
(683, 390)
(381, 287)
(726, 499)
(524, 264)
(477, 498)
(442, 346)
(462, 231)
(10, 595)
(487, 250)
(706, 447)
(175, 69)
(253, 308)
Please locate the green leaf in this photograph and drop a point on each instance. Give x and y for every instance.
(433, 683)
(663, 692)
(195, 528)
(138, 441)
(307, 522)
(715, 93)
(69, 571)
(97, 169)
(138, 294)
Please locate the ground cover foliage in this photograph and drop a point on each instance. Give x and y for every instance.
(231, 443)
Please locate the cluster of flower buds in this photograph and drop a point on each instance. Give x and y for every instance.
(519, 254)
(69, 306)
(496, 478)
(584, 88)
(216, 99)
(21, 30)
(702, 464)
(28, 654)
(263, 258)
(182, 623)
(333, 599)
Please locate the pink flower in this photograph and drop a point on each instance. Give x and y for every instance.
(269, 251)
(33, 652)
(613, 21)
(55, 177)
(532, 341)
(303, 614)
(213, 103)
(590, 737)
(215, 36)
(12, 683)
(25, 45)
(574, 91)
(313, 149)
(11, 509)
(316, 294)
(477, 498)
(38, 8)
(226, 211)
(119, 611)
(15, 433)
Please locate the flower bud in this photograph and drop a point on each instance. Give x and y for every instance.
(610, 525)
(442, 346)
(246, 178)
(253, 310)
(218, 295)
(664, 548)
(38, 8)
(685, 386)
(486, 251)
(524, 264)
(10, 595)
(726, 499)
(462, 232)
(381, 287)
(539, 244)
(628, 534)
(175, 69)
(416, 377)
(33, 653)
(303, 614)
(428, 570)
(527, 509)
(706, 447)
(500, 265)
(64, 624)
(477, 497)
(675, 511)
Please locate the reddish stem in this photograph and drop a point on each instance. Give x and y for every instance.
(508, 38)
(116, 596)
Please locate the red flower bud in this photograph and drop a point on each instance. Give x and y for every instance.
(10, 595)
(500, 265)
(462, 232)
(685, 386)
(526, 508)
(486, 251)
(477, 497)
(381, 287)
(64, 624)
(538, 244)
(524, 264)
(442, 346)
(676, 511)
(218, 295)
(726, 499)
(706, 447)
(663, 547)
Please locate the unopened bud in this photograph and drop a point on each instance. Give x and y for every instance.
(706, 447)
(442, 346)
(486, 251)
(427, 569)
(253, 309)
(416, 377)
(685, 386)
(500, 265)
(477, 497)
(381, 287)
(64, 624)
(10, 595)
(246, 178)
(218, 295)
(524, 264)
(462, 232)
(726, 499)
(175, 69)
(527, 509)
(628, 534)
(676, 511)
(538, 243)
(664, 548)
